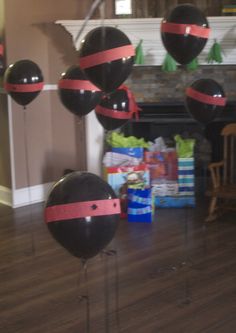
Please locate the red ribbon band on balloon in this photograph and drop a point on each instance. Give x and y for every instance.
(117, 114)
(112, 113)
(214, 100)
(185, 29)
(77, 85)
(29, 87)
(1, 49)
(82, 209)
(107, 56)
(133, 107)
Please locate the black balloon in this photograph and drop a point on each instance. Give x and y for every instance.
(72, 95)
(83, 237)
(184, 47)
(108, 75)
(116, 101)
(203, 111)
(23, 80)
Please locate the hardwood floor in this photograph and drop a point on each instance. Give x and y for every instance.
(176, 275)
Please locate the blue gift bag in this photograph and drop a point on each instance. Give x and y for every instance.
(140, 205)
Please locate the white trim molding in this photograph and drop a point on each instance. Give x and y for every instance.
(5, 196)
(94, 143)
(30, 195)
(223, 28)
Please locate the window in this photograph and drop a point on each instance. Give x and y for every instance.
(123, 7)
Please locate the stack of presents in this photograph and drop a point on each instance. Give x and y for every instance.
(148, 175)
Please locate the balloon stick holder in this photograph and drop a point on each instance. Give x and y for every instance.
(85, 298)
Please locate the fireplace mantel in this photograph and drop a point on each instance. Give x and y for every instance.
(223, 28)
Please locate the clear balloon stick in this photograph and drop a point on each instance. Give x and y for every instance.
(117, 292)
(106, 254)
(28, 180)
(85, 296)
(106, 291)
(94, 6)
(187, 261)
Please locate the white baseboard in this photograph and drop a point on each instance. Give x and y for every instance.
(5, 196)
(30, 195)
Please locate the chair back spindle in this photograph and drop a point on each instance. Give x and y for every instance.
(223, 176)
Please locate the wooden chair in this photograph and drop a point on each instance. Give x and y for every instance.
(223, 191)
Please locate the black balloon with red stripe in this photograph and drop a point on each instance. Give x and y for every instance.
(111, 106)
(201, 109)
(23, 80)
(184, 47)
(109, 74)
(77, 93)
(83, 237)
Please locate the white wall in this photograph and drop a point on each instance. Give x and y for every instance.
(94, 144)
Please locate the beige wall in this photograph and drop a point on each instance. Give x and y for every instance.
(5, 168)
(2, 17)
(5, 171)
(55, 139)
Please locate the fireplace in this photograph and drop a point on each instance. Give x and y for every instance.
(171, 118)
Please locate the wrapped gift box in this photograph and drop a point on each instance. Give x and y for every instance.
(127, 175)
(168, 188)
(120, 178)
(175, 201)
(180, 193)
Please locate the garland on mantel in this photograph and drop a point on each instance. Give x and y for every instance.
(169, 64)
(193, 65)
(139, 57)
(215, 53)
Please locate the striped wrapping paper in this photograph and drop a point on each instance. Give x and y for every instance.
(186, 176)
